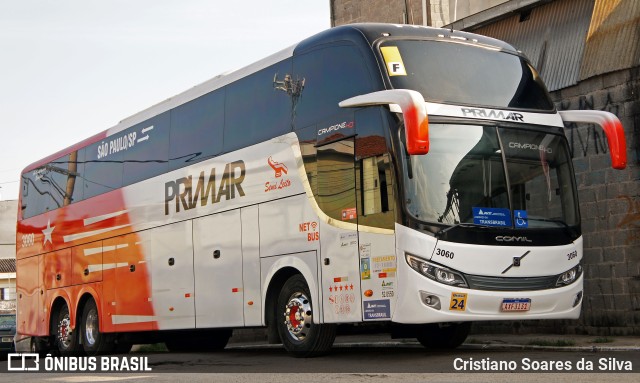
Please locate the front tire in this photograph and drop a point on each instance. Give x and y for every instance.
(294, 319)
(94, 342)
(443, 336)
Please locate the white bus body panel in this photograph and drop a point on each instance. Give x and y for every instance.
(218, 270)
(251, 266)
(171, 285)
(306, 263)
(484, 260)
(378, 274)
(340, 274)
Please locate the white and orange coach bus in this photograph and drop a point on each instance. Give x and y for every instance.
(370, 173)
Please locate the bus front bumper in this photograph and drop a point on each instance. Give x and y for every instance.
(422, 300)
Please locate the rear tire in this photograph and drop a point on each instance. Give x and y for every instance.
(94, 342)
(65, 339)
(443, 336)
(294, 319)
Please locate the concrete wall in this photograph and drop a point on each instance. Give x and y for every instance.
(609, 203)
(438, 12)
(8, 212)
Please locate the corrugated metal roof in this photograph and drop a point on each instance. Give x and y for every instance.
(552, 36)
(7, 265)
(613, 37)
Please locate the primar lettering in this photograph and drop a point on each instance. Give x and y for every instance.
(182, 189)
(494, 114)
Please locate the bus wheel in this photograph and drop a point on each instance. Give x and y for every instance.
(65, 338)
(439, 336)
(93, 341)
(294, 319)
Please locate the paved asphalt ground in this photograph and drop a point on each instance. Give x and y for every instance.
(551, 342)
(372, 358)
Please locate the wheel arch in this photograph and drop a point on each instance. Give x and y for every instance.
(275, 285)
(88, 293)
(56, 304)
(281, 270)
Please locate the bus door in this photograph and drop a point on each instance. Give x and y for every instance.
(336, 197)
(376, 218)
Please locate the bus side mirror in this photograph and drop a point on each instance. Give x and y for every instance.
(612, 129)
(411, 103)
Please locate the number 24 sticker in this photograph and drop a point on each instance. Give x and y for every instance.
(458, 302)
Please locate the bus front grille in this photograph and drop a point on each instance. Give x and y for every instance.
(480, 282)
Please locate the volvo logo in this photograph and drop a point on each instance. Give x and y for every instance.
(510, 238)
(516, 262)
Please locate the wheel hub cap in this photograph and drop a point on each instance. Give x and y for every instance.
(64, 331)
(298, 316)
(91, 327)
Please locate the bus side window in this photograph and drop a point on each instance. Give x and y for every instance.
(255, 110)
(102, 168)
(66, 181)
(196, 130)
(29, 195)
(307, 139)
(336, 180)
(56, 184)
(374, 180)
(375, 192)
(147, 148)
(330, 75)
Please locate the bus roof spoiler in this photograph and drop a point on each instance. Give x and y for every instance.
(413, 108)
(612, 129)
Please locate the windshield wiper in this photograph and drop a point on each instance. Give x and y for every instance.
(461, 224)
(558, 221)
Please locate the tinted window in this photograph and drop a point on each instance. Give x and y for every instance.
(257, 107)
(374, 180)
(464, 74)
(336, 180)
(103, 165)
(67, 173)
(330, 76)
(307, 139)
(196, 130)
(145, 148)
(57, 184)
(36, 192)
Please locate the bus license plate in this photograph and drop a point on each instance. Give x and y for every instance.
(7, 339)
(517, 304)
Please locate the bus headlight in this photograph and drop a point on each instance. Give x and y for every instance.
(568, 277)
(436, 272)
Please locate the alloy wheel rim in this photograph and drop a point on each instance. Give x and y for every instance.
(298, 316)
(91, 326)
(64, 331)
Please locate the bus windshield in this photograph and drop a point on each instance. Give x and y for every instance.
(459, 73)
(492, 176)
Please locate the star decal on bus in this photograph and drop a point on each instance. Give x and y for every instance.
(47, 233)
